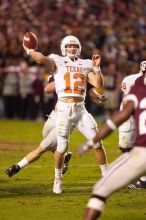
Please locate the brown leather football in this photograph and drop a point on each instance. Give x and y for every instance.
(30, 40)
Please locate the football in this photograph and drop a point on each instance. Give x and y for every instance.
(30, 40)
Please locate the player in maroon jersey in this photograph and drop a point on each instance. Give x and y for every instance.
(130, 165)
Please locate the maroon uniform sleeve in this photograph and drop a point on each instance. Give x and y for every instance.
(51, 79)
(139, 90)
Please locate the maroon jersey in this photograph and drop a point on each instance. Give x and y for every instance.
(89, 86)
(51, 79)
(138, 95)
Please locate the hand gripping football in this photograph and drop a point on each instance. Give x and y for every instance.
(30, 40)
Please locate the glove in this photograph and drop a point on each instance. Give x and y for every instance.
(101, 98)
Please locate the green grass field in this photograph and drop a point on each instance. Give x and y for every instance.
(28, 195)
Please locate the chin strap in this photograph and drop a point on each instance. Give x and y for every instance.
(72, 58)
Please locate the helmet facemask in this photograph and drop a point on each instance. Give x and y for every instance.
(71, 51)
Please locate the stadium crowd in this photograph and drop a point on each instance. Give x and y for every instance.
(116, 29)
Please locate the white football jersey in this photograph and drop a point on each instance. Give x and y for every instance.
(70, 76)
(126, 85)
(128, 82)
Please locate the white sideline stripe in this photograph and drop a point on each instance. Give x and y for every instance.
(51, 182)
(77, 187)
(39, 166)
(47, 179)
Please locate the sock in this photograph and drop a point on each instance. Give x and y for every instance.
(58, 173)
(22, 163)
(104, 169)
(96, 204)
(143, 178)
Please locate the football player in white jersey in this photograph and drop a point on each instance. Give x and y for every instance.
(49, 141)
(71, 75)
(127, 129)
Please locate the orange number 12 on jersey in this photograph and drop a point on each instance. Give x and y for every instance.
(75, 87)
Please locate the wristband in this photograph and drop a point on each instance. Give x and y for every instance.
(111, 124)
(95, 145)
(96, 204)
(96, 69)
(98, 91)
(95, 92)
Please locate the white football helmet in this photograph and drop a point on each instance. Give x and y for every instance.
(67, 41)
(143, 66)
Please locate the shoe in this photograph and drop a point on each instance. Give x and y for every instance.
(84, 148)
(138, 185)
(57, 188)
(67, 159)
(11, 171)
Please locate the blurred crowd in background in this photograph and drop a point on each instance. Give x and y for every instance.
(115, 29)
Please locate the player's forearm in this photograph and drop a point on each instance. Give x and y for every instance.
(37, 56)
(112, 124)
(105, 131)
(95, 78)
(115, 122)
(41, 59)
(97, 74)
(99, 81)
